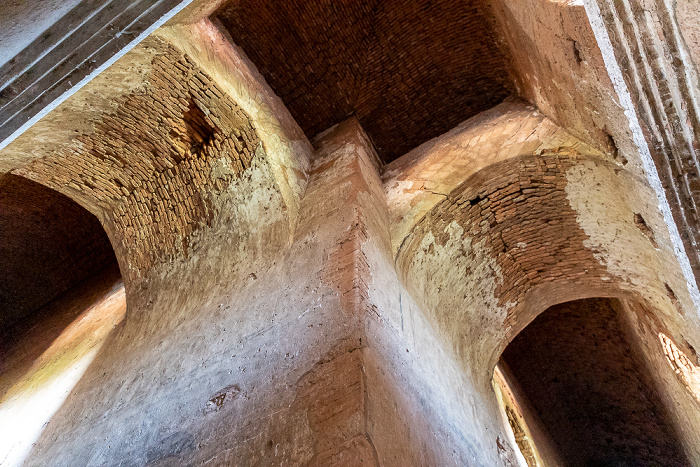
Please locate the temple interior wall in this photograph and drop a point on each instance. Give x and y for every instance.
(298, 302)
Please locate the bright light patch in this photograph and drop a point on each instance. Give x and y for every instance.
(30, 403)
(682, 366)
(519, 434)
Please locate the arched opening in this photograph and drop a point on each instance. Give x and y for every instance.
(574, 378)
(60, 295)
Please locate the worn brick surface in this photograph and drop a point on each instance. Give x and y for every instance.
(518, 210)
(409, 70)
(155, 162)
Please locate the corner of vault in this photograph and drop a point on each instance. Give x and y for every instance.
(286, 148)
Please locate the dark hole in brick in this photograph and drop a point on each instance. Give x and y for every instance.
(646, 230)
(578, 56)
(218, 400)
(674, 299)
(200, 130)
(669, 291)
(613, 150)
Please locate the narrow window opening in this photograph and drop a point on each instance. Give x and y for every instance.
(515, 416)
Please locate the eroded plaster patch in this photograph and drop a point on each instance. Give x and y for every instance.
(607, 201)
(458, 279)
(604, 43)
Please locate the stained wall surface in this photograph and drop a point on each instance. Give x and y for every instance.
(527, 233)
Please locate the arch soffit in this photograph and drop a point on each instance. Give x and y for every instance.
(507, 238)
(424, 177)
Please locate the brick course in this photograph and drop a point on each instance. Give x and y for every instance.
(409, 71)
(519, 212)
(156, 163)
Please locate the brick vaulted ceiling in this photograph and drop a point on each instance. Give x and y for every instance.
(409, 70)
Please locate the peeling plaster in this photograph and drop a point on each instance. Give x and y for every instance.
(606, 200)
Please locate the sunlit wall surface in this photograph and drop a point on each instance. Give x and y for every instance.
(30, 397)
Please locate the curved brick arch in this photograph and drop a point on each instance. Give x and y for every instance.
(506, 245)
(577, 364)
(48, 245)
(153, 171)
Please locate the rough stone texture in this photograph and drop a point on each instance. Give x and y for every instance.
(287, 148)
(454, 260)
(688, 18)
(408, 70)
(153, 163)
(295, 402)
(399, 347)
(577, 368)
(288, 151)
(312, 312)
(45, 235)
(524, 222)
(337, 366)
(513, 218)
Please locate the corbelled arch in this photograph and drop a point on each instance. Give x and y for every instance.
(157, 169)
(189, 190)
(533, 231)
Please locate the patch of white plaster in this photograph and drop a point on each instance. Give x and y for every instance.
(606, 201)
(457, 282)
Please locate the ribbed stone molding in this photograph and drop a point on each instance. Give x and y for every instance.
(657, 85)
(86, 40)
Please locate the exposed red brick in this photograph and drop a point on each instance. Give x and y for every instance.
(408, 70)
(151, 164)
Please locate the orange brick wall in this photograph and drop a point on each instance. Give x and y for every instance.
(156, 164)
(518, 211)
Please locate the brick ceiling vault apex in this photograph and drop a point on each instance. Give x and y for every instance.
(408, 70)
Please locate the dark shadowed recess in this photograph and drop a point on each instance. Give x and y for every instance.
(596, 399)
(409, 70)
(48, 244)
